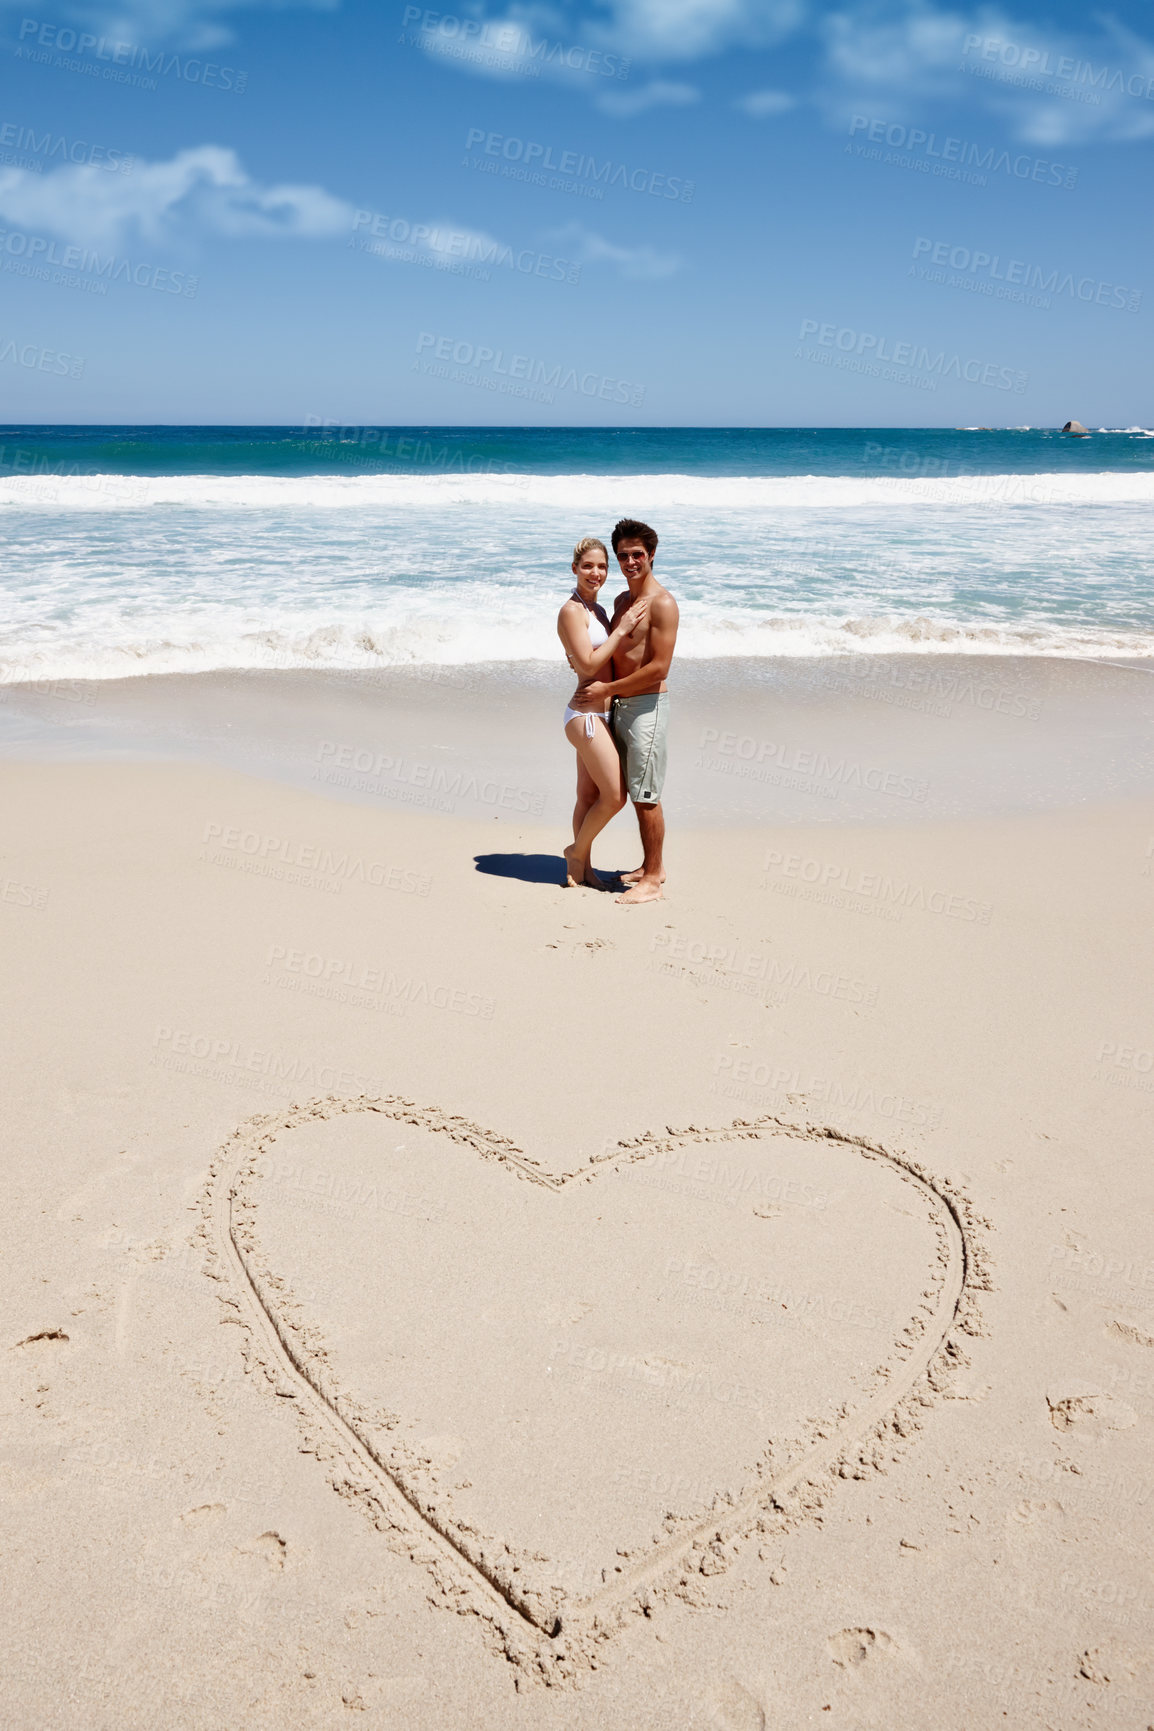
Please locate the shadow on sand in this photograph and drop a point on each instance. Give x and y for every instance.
(527, 868)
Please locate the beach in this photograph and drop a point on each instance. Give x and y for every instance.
(576, 868)
(452, 1297)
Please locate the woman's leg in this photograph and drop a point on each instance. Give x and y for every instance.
(598, 755)
(586, 796)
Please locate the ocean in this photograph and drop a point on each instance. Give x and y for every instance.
(137, 550)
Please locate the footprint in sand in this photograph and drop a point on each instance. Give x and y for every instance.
(271, 1547)
(851, 1648)
(205, 1515)
(732, 1707)
(1130, 1331)
(1089, 1410)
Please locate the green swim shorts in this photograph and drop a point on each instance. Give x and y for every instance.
(639, 729)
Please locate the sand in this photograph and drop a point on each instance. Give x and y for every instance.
(439, 1295)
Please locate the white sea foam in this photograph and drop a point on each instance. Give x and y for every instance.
(615, 493)
(113, 576)
(179, 646)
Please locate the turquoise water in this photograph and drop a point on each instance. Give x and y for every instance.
(132, 550)
(858, 451)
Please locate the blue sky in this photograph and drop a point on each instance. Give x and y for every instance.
(884, 214)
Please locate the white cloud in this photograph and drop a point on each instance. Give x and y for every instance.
(659, 93)
(692, 29)
(561, 42)
(902, 55)
(445, 238)
(760, 104)
(192, 23)
(528, 44)
(884, 44)
(205, 188)
(636, 263)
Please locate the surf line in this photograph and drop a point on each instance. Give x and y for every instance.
(227, 1208)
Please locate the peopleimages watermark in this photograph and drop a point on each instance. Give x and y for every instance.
(23, 147)
(1035, 65)
(668, 1383)
(749, 1080)
(312, 864)
(1125, 1066)
(481, 381)
(749, 970)
(41, 360)
(717, 1178)
(220, 1059)
(932, 690)
(20, 895)
(536, 164)
(366, 986)
(747, 758)
(53, 43)
(56, 690)
(950, 158)
(745, 1295)
(1114, 1278)
(865, 352)
(506, 46)
(984, 273)
(915, 464)
(837, 885)
(459, 250)
(125, 489)
(438, 786)
(340, 1192)
(37, 256)
(493, 370)
(373, 447)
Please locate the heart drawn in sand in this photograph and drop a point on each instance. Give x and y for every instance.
(570, 1395)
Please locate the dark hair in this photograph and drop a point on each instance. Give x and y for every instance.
(629, 529)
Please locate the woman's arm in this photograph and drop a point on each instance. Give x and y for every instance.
(573, 631)
(651, 675)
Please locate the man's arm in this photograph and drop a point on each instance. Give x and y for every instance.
(663, 620)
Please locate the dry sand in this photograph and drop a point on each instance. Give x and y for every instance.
(435, 1294)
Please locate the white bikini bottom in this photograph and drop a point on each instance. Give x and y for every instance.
(590, 716)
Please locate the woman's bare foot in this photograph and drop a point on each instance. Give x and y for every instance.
(575, 869)
(593, 881)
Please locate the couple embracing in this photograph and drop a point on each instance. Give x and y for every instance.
(618, 716)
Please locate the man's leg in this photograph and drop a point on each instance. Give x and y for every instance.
(647, 886)
(641, 731)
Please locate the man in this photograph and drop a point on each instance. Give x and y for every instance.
(640, 699)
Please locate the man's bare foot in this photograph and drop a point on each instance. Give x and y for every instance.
(644, 890)
(635, 877)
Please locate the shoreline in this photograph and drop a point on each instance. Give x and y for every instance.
(889, 739)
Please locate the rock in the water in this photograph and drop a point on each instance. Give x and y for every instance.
(1077, 428)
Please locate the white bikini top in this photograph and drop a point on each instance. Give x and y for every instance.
(597, 632)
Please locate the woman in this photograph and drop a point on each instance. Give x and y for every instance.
(589, 644)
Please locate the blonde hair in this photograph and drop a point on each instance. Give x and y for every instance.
(583, 546)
